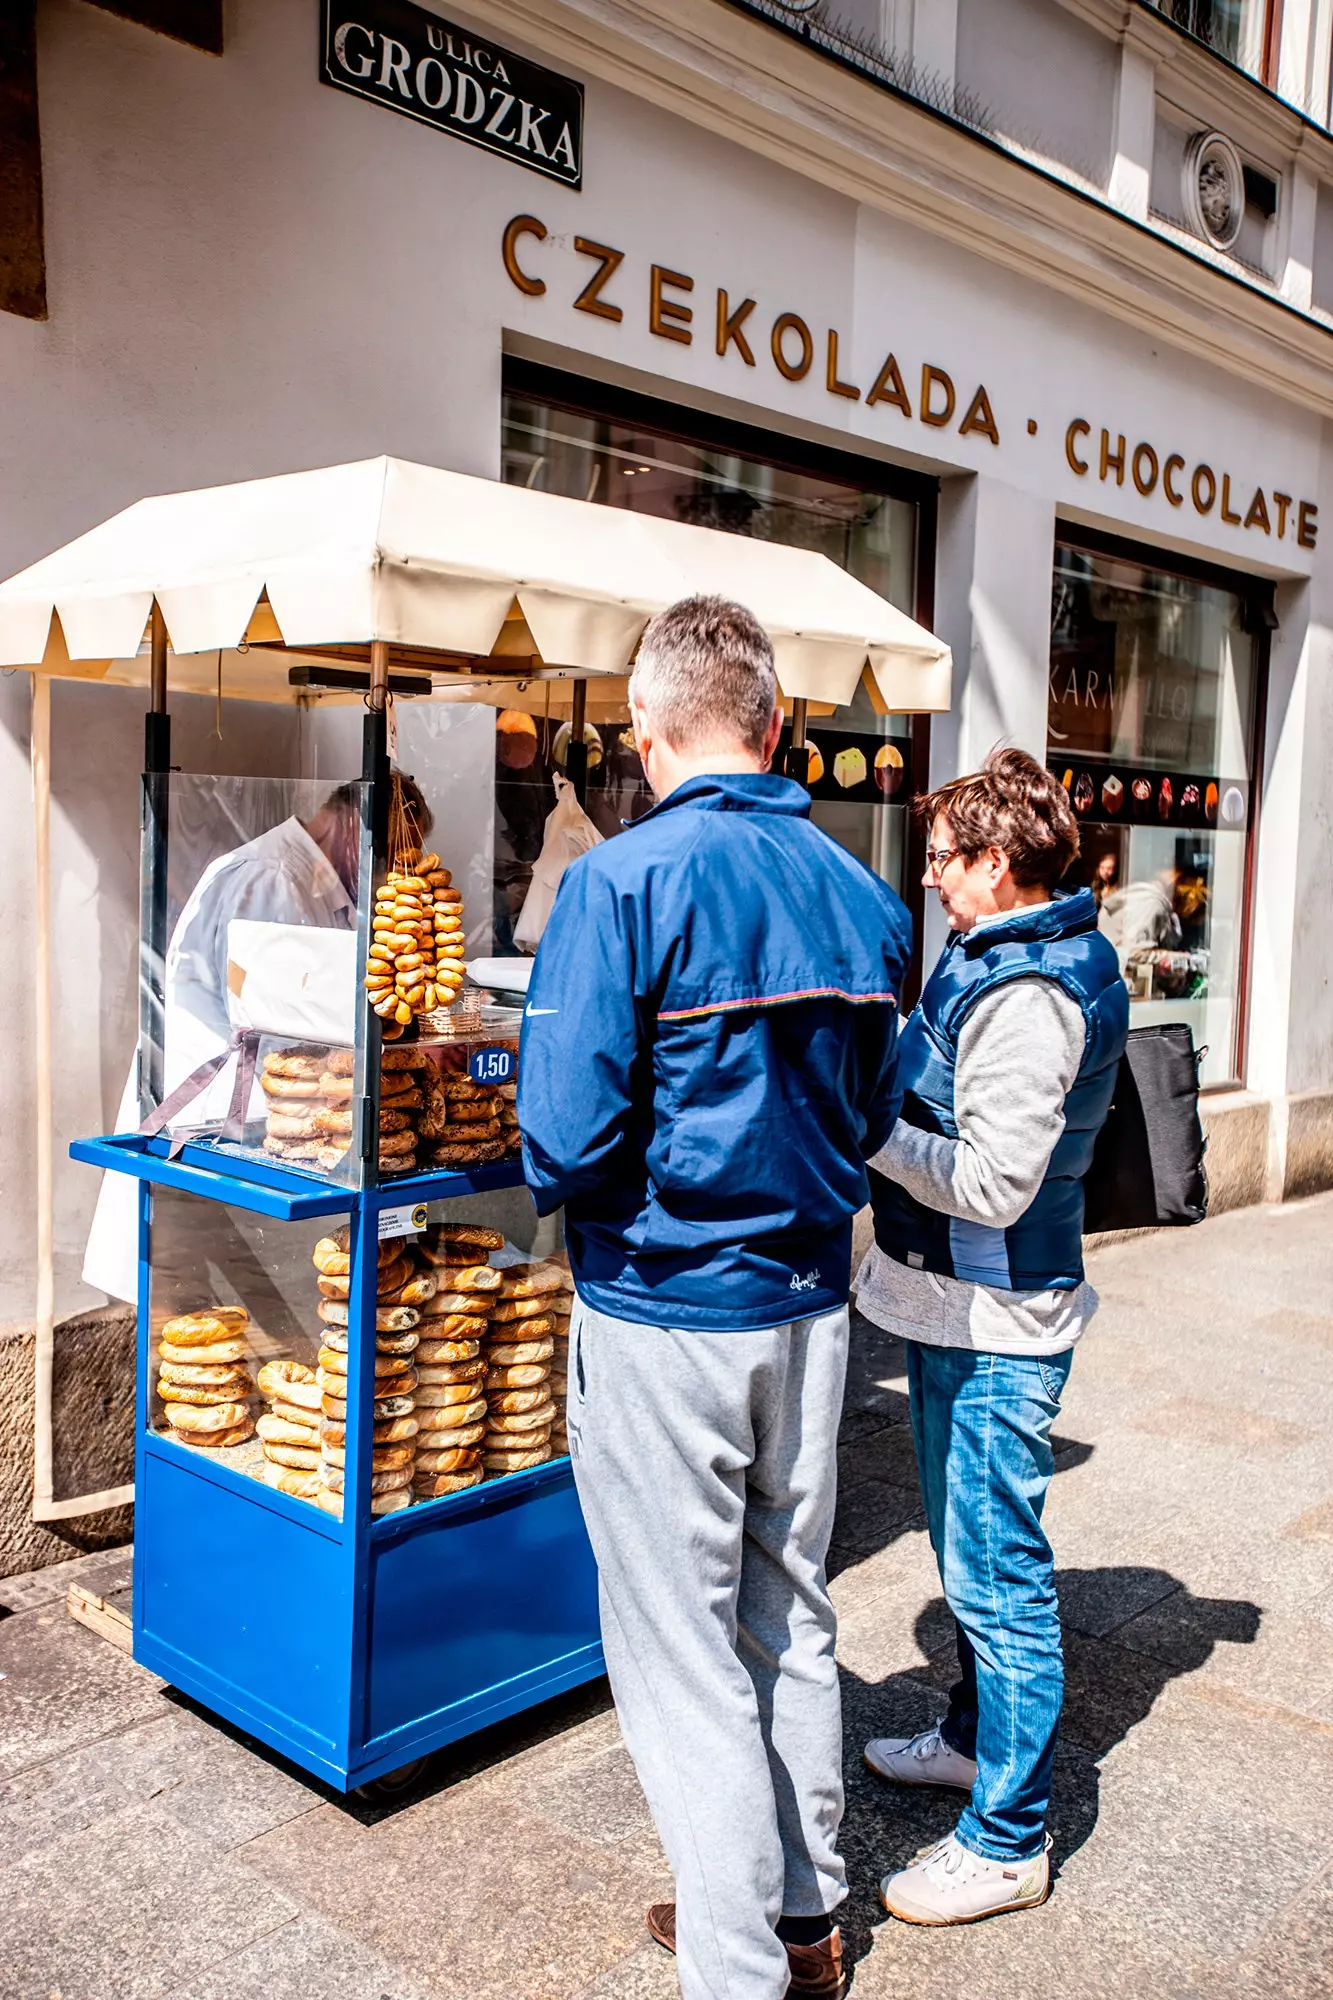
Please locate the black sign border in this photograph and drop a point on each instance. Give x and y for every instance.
(484, 145)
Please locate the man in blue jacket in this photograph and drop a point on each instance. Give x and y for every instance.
(708, 1058)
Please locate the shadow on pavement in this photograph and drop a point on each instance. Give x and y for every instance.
(1128, 1633)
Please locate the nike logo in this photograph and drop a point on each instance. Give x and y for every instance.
(532, 1012)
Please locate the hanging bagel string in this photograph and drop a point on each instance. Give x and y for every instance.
(415, 961)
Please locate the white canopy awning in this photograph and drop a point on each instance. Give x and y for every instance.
(454, 573)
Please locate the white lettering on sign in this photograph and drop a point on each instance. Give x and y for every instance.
(395, 53)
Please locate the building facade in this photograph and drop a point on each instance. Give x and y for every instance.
(1023, 311)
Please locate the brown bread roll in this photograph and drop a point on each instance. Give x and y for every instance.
(505, 1354)
(436, 1430)
(515, 1461)
(213, 1417)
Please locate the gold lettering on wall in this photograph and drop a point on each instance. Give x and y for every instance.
(668, 318)
(980, 417)
(831, 382)
(1143, 469)
(785, 323)
(731, 327)
(609, 261)
(1257, 516)
(521, 226)
(890, 388)
(936, 414)
(792, 348)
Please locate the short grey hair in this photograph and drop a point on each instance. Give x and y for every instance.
(705, 675)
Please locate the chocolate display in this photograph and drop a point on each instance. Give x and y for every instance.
(1157, 798)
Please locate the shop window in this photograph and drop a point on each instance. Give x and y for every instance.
(1151, 726)
(1244, 31)
(720, 480)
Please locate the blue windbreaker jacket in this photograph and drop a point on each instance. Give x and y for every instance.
(709, 1055)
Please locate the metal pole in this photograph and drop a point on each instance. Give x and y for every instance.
(379, 676)
(374, 862)
(798, 756)
(153, 873)
(576, 762)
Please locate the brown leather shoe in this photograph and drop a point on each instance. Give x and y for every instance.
(816, 1969)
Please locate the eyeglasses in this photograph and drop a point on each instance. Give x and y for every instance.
(938, 858)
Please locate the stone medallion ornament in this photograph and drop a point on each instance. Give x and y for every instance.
(1213, 184)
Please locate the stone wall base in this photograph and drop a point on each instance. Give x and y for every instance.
(93, 1436)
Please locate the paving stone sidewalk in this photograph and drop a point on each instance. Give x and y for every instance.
(147, 1854)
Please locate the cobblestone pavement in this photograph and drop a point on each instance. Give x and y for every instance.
(145, 1852)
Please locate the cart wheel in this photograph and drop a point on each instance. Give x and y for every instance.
(393, 1783)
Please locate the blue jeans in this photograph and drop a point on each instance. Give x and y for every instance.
(981, 1424)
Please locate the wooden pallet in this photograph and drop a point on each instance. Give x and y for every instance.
(107, 1620)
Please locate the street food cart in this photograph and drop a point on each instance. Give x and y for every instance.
(357, 1535)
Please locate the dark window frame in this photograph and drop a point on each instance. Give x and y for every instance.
(1258, 595)
(585, 396)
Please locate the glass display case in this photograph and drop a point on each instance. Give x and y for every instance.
(357, 1535)
(284, 943)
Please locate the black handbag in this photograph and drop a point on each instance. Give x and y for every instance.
(1147, 1171)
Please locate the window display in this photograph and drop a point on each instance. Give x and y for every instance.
(1150, 725)
(632, 464)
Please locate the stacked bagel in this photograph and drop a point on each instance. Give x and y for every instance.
(289, 1428)
(462, 1121)
(293, 1092)
(451, 1357)
(509, 1132)
(415, 960)
(521, 1409)
(400, 1289)
(309, 1093)
(202, 1377)
(561, 1306)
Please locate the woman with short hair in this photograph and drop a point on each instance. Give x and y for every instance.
(1008, 1063)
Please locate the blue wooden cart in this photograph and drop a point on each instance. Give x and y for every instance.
(353, 1647)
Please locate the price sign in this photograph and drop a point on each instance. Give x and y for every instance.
(492, 1065)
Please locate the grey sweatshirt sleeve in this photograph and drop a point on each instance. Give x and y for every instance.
(1018, 1053)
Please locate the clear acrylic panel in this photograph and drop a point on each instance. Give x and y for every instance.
(236, 1332)
(253, 1346)
(263, 888)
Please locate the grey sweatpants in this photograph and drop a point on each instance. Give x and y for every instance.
(706, 1466)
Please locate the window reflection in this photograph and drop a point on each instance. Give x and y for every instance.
(1149, 725)
(622, 464)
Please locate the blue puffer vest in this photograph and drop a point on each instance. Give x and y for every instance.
(1043, 1250)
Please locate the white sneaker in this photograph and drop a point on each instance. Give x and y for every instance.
(948, 1884)
(921, 1760)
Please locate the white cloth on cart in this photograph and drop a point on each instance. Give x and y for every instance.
(282, 877)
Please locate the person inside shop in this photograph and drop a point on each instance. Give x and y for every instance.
(1141, 916)
(1105, 876)
(1008, 1064)
(298, 872)
(709, 1055)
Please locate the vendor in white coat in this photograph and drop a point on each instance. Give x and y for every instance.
(300, 872)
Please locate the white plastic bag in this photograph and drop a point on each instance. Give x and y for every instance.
(569, 833)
